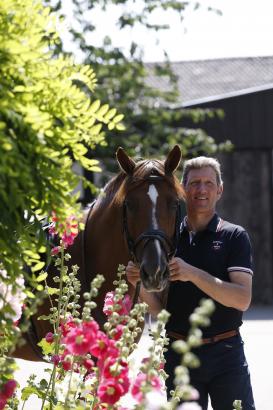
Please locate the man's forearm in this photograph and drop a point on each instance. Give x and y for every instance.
(229, 294)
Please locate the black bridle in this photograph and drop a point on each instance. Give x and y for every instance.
(169, 245)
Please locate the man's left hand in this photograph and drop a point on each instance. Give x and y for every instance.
(179, 270)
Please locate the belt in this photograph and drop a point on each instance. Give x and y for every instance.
(213, 339)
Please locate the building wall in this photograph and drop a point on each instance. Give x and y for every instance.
(247, 201)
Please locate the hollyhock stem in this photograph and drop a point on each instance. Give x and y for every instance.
(56, 326)
(57, 340)
(69, 385)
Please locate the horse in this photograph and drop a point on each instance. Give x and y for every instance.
(136, 217)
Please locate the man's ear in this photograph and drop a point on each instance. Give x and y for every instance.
(220, 190)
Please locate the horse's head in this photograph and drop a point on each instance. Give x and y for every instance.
(151, 199)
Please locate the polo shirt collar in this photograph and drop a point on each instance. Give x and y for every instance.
(213, 225)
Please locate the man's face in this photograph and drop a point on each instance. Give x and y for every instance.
(202, 191)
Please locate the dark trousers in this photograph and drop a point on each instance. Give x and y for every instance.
(223, 374)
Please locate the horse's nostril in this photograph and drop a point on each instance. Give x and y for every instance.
(154, 280)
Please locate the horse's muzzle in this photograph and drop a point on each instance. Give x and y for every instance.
(154, 280)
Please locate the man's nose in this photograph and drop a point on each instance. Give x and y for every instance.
(202, 187)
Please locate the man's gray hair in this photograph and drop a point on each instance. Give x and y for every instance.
(201, 162)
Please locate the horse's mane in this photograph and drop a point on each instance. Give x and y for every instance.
(117, 188)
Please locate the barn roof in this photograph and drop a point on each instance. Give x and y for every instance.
(204, 80)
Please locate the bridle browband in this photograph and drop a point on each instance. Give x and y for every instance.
(169, 245)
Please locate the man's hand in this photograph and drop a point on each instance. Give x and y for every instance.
(132, 273)
(179, 270)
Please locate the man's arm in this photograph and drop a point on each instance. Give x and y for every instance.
(235, 294)
(151, 298)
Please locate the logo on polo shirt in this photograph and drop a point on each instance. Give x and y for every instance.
(216, 245)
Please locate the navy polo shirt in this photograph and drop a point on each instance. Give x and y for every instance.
(219, 249)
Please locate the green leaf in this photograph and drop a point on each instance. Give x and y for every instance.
(38, 266)
(29, 390)
(46, 347)
(42, 277)
(94, 106)
(52, 291)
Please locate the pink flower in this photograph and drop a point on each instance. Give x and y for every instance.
(7, 392)
(88, 364)
(67, 326)
(100, 345)
(124, 305)
(77, 341)
(67, 231)
(80, 339)
(54, 217)
(113, 367)
(9, 388)
(118, 331)
(49, 337)
(55, 359)
(110, 391)
(3, 402)
(142, 380)
(66, 364)
(111, 354)
(55, 250)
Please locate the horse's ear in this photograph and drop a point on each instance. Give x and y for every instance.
(173, 159)
(126, 163)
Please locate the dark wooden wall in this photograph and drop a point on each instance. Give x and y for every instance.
(248, 176)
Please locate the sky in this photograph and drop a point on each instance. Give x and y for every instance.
(244, 29)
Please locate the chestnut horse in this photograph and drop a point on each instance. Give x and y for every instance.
(137, 217)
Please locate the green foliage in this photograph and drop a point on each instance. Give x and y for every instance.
(47, 121)
(124, 81)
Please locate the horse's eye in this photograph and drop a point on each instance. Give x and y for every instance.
(173, 204)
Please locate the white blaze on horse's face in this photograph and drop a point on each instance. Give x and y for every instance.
(153, 194)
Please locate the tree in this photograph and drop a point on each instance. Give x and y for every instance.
(123, 78)
(47, 121)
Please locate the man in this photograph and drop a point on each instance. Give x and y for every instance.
(213, 260)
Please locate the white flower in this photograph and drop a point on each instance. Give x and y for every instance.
(155, 400)
(13, 295)
(189, 406)
(72, 382)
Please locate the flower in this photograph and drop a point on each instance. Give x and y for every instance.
(49, 337)
(117, 332)
(6, 393)
(88, 364)
(78, 341)
(110, 391)
(143, 379)
(67, 231)
(12, 295)
(55, 250)
(125, 304)
(189, 406)
(154, 400)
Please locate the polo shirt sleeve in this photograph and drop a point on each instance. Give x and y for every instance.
(240, 255)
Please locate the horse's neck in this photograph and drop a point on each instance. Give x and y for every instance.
(105, 241)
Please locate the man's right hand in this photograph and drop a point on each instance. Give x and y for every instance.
(132, 273)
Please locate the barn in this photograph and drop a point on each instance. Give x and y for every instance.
(243, 89)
